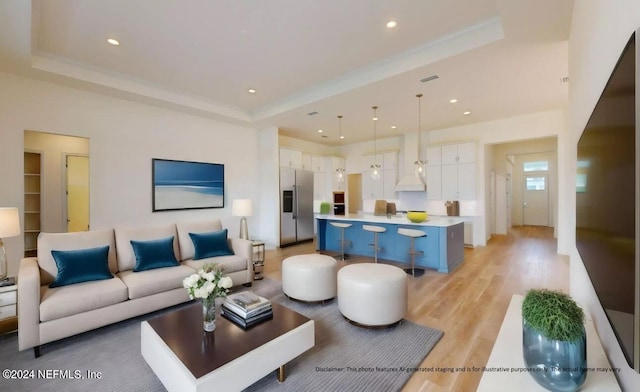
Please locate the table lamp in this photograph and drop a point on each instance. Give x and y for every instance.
(9, 227)
(242, 208)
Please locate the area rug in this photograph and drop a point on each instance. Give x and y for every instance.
(345, 357)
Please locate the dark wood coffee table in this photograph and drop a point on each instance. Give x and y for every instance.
(185, 358)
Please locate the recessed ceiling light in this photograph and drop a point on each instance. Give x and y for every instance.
(113, 42)
(375, 119)
(467, 113)
(453, 100)
(320, 131)
(391, 24)
(393, 127)
(252, 91)
(341, 137)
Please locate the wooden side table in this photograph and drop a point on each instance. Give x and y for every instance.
(9, 307)
(258, 259)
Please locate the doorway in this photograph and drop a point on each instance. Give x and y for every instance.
(77, 192)
(536, 200)
(54, 150)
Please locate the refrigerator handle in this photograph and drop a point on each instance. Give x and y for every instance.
(295, 202)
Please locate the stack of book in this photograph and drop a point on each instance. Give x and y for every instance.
(246, 309)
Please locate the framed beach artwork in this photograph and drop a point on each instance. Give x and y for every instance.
(182, 185)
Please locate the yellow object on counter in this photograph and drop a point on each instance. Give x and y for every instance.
(417, 216)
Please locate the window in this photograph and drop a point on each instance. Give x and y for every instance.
(536, 183)
(536, 166)
(581, 176)
(581, 182)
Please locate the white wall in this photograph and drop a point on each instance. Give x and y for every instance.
(600, 29)
(123, 138)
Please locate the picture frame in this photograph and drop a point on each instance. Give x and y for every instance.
(185, 185)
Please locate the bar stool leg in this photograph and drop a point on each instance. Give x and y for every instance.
(375, 247)
(413, 271)
(342, 242)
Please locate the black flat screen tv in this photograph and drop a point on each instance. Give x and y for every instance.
(607, 202)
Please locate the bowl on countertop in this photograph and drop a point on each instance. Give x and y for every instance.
(417, 216)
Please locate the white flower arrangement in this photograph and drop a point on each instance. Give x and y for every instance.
(208, 282)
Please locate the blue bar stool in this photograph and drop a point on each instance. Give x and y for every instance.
(342, 227)
(413, 234)
(375, 230)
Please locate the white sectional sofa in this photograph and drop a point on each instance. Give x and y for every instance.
(46, 314)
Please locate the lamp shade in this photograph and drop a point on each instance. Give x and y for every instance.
(242, 207)
(9, 222)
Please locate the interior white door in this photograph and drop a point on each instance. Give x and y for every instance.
(536, 200)
(77, 193)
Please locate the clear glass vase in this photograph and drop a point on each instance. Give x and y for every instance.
(556, 365)
(209, 313)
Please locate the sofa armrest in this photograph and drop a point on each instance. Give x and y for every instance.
(28, 303)
(243, 248)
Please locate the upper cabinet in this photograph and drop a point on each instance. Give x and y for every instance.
(318, 164)
(458, 153)
(451, 171)
(434, 156)
(291, 158)
(390, 160)
(307, 162)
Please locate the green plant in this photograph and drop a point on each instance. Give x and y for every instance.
(554, 314)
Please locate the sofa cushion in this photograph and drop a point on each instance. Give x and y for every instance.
(228, 264)
(82, 265)
(145, 283)
(187, 250)
(72, 241)
(154, 254)
(65, 301)
(124, 236)
(210, 244)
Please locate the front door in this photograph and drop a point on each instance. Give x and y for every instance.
(536, 200)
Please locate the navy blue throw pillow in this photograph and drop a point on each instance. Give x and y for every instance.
(154, 254)
(210, 244)
(81, 265)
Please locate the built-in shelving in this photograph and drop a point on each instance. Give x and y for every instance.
(32, 201)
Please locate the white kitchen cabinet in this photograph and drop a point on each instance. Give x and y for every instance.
(434, 182)
(306, 162)
(334, 164)
(389, 179)
(290, 158)
(467, 152)
(458, 153)
(449, 182)
(458, 181)
(320, 187)
(389, 160)
(467, 181)
(434, 156)
(318, 163)
(372, 189)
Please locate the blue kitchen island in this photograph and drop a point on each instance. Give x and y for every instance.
(443, 245)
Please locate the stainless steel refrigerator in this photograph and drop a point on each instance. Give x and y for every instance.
(296, 206)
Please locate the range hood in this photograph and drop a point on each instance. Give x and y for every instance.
(410, 182)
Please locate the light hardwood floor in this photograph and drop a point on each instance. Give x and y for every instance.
(469, 303)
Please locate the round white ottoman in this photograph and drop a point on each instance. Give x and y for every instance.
(309, 277)
(372, 294)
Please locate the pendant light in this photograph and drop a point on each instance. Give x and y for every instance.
(375, 168)
(420, 165)
(340, 170)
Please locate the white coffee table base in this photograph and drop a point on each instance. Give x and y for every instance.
(235, 375)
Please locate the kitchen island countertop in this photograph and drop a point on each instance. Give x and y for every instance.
(398, 219)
